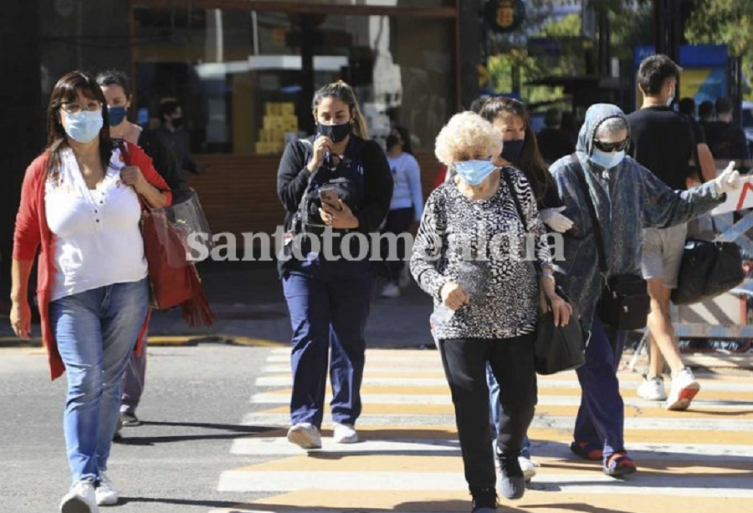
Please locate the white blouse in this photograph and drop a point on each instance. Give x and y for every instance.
(97, 240)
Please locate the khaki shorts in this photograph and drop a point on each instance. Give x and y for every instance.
(662, 253)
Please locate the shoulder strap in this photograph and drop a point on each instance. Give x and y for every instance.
(508, 180)
(592, 212)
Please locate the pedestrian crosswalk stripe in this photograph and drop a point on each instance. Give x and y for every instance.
(672, 424)
(444, 399)
(409, 458)
(588, 483)
(438, 381)
(279, 446)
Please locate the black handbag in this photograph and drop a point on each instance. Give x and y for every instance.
(557, 348)
(708, 268)
(624, 303)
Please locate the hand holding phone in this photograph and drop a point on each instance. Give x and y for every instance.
(330, 198)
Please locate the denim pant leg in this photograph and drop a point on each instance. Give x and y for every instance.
(308, 302)
(124, 308)
(134, 379)
(80, 323)
(350, 302)
(494, 406)
(76, 327)
(602, 409)
(512, 361)
(464, 362)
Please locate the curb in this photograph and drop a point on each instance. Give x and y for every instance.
(7, 342)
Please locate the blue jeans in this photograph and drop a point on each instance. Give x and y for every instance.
(495, 407)
(327, 315)
(96, 332)
(601, 416)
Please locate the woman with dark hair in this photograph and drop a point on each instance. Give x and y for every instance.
(406, 206)
(520, 149)
(336, 187)
(80, 209)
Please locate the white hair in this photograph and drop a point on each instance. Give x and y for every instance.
(611, 126)
(463, 136)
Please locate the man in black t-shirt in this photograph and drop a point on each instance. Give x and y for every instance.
(665, 142)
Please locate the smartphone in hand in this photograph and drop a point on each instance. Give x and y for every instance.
(330, 197)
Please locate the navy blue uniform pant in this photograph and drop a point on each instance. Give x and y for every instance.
(601, 417)
(328, 317)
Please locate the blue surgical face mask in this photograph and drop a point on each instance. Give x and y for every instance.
(607, 159)
(83, 126)
(117, 115)
(474, 172)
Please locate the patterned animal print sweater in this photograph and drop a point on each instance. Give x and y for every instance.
(482, 245)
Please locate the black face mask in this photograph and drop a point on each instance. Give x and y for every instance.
(392, 140)
(511, 150)
(177, 122)
(335, 132)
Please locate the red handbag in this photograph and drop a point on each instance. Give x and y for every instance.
(173, 278)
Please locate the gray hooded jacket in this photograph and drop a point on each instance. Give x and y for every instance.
(627, 198)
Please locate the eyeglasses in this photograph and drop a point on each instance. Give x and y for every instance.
(75, 108)
(612, 146)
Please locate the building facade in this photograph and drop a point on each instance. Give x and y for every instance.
(245, 72)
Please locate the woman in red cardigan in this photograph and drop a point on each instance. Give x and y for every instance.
(80, 210)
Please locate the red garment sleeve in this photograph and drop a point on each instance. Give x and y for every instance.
(27, 235)
(138, 158)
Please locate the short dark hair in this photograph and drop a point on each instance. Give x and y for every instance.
(114, 77)
(706, 109)
(687, 106)
(654, 71)
(405, 136)
(553, 117)
(723, 106)
(167, 108)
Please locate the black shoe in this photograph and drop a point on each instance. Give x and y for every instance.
(484, 501)
(129, 419)
(511, 483)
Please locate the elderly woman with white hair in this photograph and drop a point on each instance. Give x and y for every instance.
(468, 256)
(625, 198)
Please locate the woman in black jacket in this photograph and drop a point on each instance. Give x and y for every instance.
(336, 188)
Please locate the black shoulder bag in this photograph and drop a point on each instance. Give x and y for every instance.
(624, 302)
(557, 348)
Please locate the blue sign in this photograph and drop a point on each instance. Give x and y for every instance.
(691, 56)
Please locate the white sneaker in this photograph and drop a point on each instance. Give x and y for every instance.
(390, 291)
(684, 389)
(528, 467)
(80, 499)
(405, 276)
(105, 492)
(344, 433)
(652, 389)
(305, 435)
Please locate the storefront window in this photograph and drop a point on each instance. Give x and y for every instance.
(245, 84)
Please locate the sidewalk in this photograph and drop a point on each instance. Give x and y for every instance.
(250, 308)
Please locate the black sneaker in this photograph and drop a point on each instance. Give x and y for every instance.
(129, 419)
(484, 501)
(511, 483)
